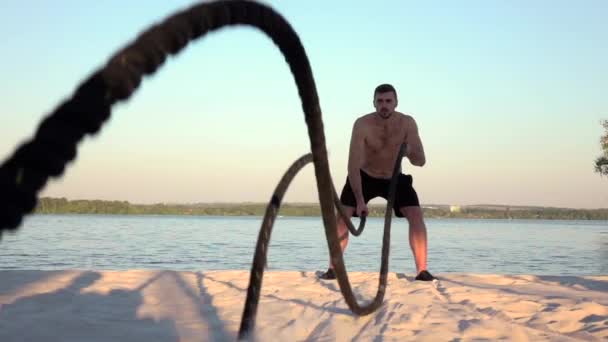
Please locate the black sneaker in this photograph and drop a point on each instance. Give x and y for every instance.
(425, 276)
(329, 275)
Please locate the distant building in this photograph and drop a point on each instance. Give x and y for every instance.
(455, 209)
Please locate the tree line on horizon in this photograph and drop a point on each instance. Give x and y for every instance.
(601, 163)
(48, 205)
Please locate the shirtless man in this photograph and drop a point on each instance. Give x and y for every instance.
(374, 146)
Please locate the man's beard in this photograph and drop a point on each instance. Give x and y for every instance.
(385, 114)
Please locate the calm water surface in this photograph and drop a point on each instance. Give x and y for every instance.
(195, 243)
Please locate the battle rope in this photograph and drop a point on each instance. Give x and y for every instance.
(55, 142)
(261, 250)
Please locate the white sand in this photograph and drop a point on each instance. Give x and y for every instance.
(296, 306)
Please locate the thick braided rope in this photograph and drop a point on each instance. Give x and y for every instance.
(259, 260)
(24, 174)
(261, 251)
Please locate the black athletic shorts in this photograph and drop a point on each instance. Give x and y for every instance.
(405, 195)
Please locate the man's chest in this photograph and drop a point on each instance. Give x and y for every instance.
(382, 137)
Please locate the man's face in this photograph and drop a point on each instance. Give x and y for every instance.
(385, 104)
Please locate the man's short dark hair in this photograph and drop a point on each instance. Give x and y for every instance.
(385, 88)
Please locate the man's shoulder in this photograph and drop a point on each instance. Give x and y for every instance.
(367, 116)
(405, 116)
(364, 119)
(407, 119)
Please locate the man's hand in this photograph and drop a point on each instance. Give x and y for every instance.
(362, 209)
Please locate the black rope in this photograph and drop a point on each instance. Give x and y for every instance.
(259, 260)
(349, 224)
(54, 144)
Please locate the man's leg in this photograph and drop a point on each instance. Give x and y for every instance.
(417, 235)
(343, 233)
(343, 229)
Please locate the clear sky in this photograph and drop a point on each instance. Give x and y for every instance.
(508, 96)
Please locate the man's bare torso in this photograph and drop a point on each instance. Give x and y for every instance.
(383, 138)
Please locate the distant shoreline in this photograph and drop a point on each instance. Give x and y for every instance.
(48, 205)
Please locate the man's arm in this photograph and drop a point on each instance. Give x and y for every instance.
(355, 159)
(414, 150)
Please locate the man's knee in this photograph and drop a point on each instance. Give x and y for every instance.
(348, 211)
(413, 214)
(342, 228)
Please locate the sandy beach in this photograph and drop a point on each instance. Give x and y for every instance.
(140, 305)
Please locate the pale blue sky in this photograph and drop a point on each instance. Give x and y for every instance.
(508, 96)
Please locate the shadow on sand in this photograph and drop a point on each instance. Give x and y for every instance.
(69, 315)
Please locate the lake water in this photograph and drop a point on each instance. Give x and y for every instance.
(195, 243)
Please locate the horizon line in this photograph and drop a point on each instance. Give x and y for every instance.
(317, 204)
